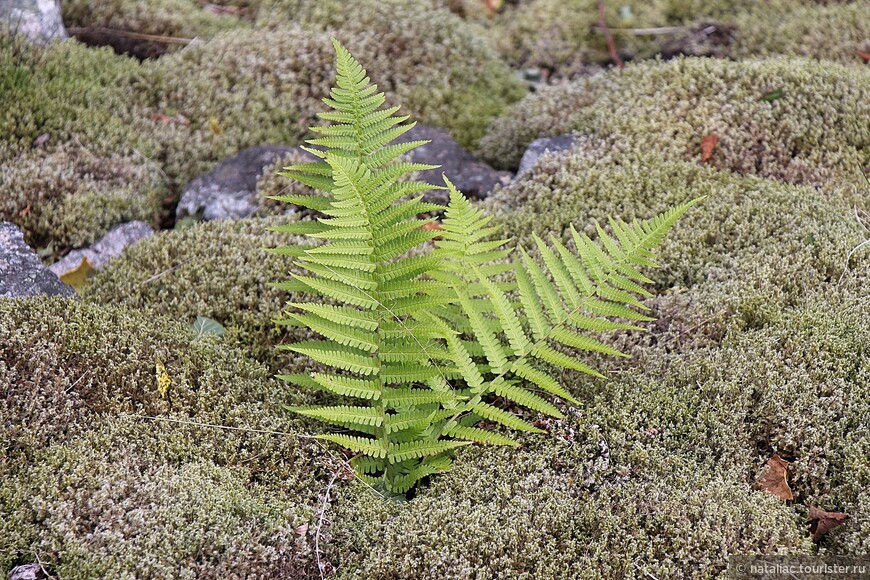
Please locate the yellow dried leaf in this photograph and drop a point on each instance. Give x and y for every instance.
(78, 276)
(163, 380)
(215, 126)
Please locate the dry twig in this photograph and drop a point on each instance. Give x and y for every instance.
(611, 45)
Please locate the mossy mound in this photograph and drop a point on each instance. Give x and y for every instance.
(751, 248)
(654, 473)
(563, 37)
(797, 120)
(219, 270)
(441, 68)
(95, 489)
(67, 92)
(106, 22)
(833, 32)
(65, 197)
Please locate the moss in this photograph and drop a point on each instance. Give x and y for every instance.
(833, 32)
(175, 18)
(653, 473)
(431, 61)
(96, 490)
(631, 482)
(563, 37)
(67, 196)
(751, 248)
(219, 270)
(68, 91)
(816, 132)
(803, 387)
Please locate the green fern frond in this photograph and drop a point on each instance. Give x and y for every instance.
(417, 449)
(428, 342)
(367, 445)
(342, 415)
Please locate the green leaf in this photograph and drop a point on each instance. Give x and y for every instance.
(203, 326)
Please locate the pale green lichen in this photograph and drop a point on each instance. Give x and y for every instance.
(797, 120)
(94, 488)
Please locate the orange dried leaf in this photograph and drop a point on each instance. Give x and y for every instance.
(493, 6)
(822, 522)
(708, 144)
(432, 226)
(774, 478)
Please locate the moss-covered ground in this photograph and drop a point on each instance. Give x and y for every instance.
(761, 344)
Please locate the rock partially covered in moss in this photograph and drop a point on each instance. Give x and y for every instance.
(797, 120)
(751, 248)
(99, 490)
(441, 68)
(107, 23)
(67, 196)
(219, 270)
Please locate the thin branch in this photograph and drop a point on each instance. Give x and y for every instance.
(164, 272)
(321, 514)
(130, 34)
(611, 45)
(662, 30)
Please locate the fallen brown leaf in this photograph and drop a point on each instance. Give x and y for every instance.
(864, 55)
(774, 480)
(493, 6)
(822, 522)
(708, 144)
(432, 226)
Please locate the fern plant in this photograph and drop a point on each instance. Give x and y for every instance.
(422, 341)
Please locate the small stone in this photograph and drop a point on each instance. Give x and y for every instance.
(229, 191)
(27, 572)
(21, 271)
(539, 147)
(472, 177)
(109, 246)
(38, 20)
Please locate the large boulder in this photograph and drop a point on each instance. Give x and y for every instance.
(21, 272)
(38, 20)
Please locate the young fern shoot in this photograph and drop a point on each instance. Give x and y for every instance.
(419, 340)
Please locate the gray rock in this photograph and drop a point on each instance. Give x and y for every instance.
(473, 178)
(539, 147)
(21, 272)
(110, 246)
(230, 189)
(27, 572)
(38, 20)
